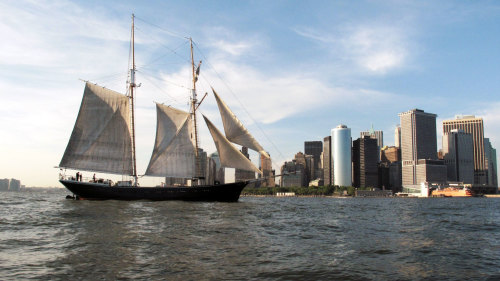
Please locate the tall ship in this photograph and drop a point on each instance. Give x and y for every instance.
(103, 140)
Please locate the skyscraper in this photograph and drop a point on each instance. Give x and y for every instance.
(314, 148)
(341, 148)
(293, 174)
(418, 141)
(397, 136)
(266, 167)
(242, 175)
(491, 165)
(365, 162)
(220, 171)
(378, 135)
(474, 126)
(459, 156)
(327, 161)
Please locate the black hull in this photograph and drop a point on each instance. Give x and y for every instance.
(97, 191)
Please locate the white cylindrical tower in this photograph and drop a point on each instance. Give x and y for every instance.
(341, 150)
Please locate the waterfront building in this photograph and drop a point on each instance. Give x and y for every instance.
(397, 136)
(390, 168)
(490, 158)
(327, 161)
(14, 185)
(474, 126)
(418, 141)
(432, 171)
(293, 174)
(267, 171)
(220, 173)
(341, 148)
(365, 162)
(314, 148)
(458, 156)
(378, 135)
(390, 154)
(242, 175)
(310, 167)
(4, 184)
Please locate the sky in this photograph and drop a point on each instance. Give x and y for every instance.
(290, 70)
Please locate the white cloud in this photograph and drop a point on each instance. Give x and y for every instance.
(373, 48)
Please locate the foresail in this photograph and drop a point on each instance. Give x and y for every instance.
(174, 151)
(101, 138)
(234, 129)
(228, 154)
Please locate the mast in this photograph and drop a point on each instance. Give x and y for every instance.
(132, 86)
(194, 99)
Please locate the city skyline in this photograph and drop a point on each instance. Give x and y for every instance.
(299, 68)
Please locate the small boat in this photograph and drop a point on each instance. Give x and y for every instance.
(103, 140)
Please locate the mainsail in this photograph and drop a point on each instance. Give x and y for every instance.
(101, 139)
(174, 151)
(228, 154)
(234, 129)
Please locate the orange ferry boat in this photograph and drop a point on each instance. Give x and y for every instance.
(453, 192)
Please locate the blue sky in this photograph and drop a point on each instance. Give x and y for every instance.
(291, 70)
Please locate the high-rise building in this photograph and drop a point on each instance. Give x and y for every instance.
(314, 148)
(327, 161)
(310, 167)
(243, 175)
(390, 168)
(390, 154)
(397, 136)
(458, 156)
(341, 148)
(474, 126)
(428, 170)
(4, 184)
(378, 135)
(220, 173)
(306, 162)
(365, 162)
(293, 174)
(15, 185)
(266, 167)
(491, 165)
(418, 141)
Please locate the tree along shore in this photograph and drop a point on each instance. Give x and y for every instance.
(304, 191)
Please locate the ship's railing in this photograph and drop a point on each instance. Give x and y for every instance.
(86, 179)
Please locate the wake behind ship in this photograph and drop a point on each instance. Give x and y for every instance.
(103, 140)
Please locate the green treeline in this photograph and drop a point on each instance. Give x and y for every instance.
(311, 190)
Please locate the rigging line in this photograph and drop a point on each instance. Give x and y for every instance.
(236, 97)
(168, 48)
(171, 33)
(161, 90)
(162, 79)
(107, 76)
(164, 55)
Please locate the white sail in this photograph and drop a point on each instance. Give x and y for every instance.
(174, 151)
(228, 154)
(101, 138)
(234, 129)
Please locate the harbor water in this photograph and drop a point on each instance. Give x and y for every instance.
(43, 236)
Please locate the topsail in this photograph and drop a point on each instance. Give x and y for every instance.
(234, 129)
(174, 151)
(101, 138)
(229, 155)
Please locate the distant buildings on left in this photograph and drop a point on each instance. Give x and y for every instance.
(10, 185)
